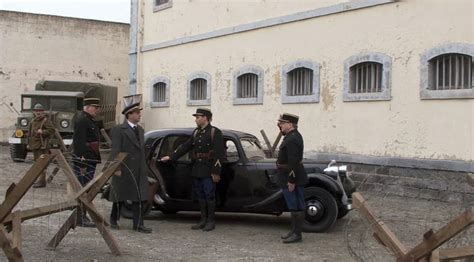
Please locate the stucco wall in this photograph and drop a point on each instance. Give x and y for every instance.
(35, 47)
(405, 126)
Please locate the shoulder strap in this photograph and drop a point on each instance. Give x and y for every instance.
(213, 131)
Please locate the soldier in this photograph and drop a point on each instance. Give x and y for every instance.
(292, 175)
(85, 143)
(207, 146)
(39, 132)
(131, 182)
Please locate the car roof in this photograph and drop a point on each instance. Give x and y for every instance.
(188, 131)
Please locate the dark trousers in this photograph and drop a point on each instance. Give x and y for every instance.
(36, 154)
(88, 165)
(138, 209)
(204, 188)
(115, 214)
(295, 200)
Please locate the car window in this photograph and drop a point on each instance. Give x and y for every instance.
(252, 149)
(231, 153)
(170, 144)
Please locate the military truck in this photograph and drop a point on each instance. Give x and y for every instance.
(62, 102)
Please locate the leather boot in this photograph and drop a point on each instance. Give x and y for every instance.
(296, 236)
(40, 181)
(293, 219)
(202, 222)
(210, 223)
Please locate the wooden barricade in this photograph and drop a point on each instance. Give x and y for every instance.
(431, 240)
(83, 197)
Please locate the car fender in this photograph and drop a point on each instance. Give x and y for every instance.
(324, 181)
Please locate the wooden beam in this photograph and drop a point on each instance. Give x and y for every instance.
(106, 137)
(25, 183)
(267, 142)
(383, 232)
(66, 168)
(435, 240)
(43, 211)
(16, 230)
(62, 232)
(93, 211)
(456, 253)
(12, 254)
(277, 140)
(470, 179)
(105, 232)
(435, 256)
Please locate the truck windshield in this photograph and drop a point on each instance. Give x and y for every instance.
(49, 103)
(252, 149)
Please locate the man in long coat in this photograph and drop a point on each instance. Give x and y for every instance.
(130, 182)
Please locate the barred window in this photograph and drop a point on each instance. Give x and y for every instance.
(162, 4)
(300, 82)
(159, 92)
(451, 71)
(198, 89)
(366, 77)
(247, 85)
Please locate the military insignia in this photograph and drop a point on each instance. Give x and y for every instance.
(292, 173)
(218, 163)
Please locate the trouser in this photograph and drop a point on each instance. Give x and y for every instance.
(204, 188)
(36, 154)
(138, 209)
(294, 200)
(115, 213)
(84, 176)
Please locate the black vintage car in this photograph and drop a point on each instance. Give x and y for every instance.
(248, 181)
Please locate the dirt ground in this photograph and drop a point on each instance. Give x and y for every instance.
(238, 237)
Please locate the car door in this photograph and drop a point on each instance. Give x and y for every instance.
(176, 174)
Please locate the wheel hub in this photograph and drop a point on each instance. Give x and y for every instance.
(314, 210)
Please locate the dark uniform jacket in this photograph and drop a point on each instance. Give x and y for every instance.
(132, 184)
(289, 162)
(35, 140)
(86, 137)
(207, 151)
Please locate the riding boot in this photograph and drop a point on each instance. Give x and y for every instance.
(202, 222)
(296, 236)
(210, 223)
(84, 221)
(138, 224)
(293, 219)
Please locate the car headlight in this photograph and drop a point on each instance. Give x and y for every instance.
(24, 122)
(19, 133)
(64, 123)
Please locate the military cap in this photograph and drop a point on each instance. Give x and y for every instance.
(290, 118)
(38, 107)
(131, 108)
(92, 101)
(203, 112)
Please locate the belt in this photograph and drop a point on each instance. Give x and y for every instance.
(202, 155)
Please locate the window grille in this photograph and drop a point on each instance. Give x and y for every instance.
(366, 77)
(159, 92)
(451, 71)
(161, 2)
(247, 85)
(300, 82)
(198, 89)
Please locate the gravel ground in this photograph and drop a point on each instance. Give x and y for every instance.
(238, 237)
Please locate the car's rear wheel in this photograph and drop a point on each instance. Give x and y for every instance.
(126, 210)
(321, 210)
(18, 152)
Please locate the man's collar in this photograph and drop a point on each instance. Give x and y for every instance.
(132, 125)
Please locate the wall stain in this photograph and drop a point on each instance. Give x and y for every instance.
(327, 96)
(277, 79)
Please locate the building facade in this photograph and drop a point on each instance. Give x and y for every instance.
(380, 82)
(36, 47)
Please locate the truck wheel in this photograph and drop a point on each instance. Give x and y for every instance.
(18, 152)
(126, 210)
(321, 210)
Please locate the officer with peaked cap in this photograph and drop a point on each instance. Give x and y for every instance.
(130, 182)
(292, 175)
(85, 142)
(207, 147)
(40, 130)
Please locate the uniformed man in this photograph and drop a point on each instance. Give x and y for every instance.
(292, 175)
(130, 182)
(40, 130)
(207, 147)
(85, 142)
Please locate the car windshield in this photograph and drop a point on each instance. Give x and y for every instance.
(49, 103)
(252, 149)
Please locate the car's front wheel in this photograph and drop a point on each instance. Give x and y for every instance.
(321, 210)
